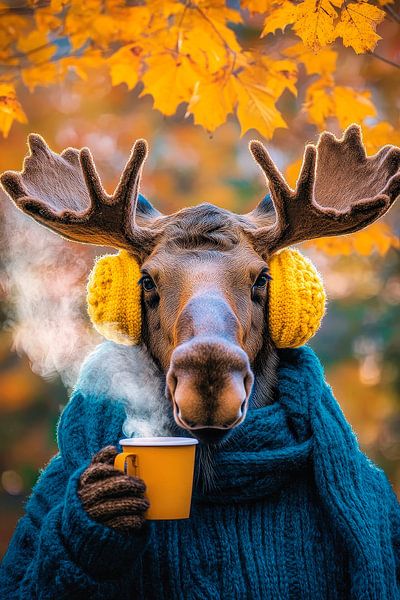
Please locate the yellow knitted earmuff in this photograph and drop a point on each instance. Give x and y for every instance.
(113, 298)
(296, 298)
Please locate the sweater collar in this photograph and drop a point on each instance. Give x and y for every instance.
(272, 446)
(304, 433)
(274, 443)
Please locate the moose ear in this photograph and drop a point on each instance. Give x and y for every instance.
(145, 209)
(264, 213)
(265, 206)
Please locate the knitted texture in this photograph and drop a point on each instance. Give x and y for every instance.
(113, 298)
(296, 303)
(297, 512)
(111, 497)
(297, 299)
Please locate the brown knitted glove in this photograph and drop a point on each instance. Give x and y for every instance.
(111, 497)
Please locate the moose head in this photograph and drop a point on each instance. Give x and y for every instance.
(195, 286)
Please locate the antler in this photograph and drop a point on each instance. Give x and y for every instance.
(64, 193)
(339, 190)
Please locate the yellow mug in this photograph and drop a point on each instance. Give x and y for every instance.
(166, 465)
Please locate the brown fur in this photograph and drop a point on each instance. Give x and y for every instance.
(202, 321)
(339, 190)
(205, 322)
(202, 254)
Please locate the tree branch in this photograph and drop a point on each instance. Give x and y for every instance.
(392, 13)
(392, 63)
(24, 9)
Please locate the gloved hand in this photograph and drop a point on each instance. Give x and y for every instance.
(109, 496)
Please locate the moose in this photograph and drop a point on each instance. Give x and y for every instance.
(218, 308)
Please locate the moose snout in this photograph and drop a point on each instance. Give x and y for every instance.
(209, 383)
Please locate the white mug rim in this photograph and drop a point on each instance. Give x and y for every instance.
(158, 441)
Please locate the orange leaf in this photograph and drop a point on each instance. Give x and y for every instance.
(169, 80)
(259, 6)
(357, 25)
(125, 65)
(322, 62)
(279, 18)
(377, 237)
(10, 108)
(37, 47)
(352, 106)
(211, 102)
(379, 135)
(346, 104)
(315, 22)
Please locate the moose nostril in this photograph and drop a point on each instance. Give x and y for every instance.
(209, 384)
(189, 422)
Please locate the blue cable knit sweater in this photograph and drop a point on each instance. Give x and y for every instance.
(299, 512)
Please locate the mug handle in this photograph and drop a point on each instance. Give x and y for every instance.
(121, 460)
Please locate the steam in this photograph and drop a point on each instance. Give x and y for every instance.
(44, 279)
(128, 374)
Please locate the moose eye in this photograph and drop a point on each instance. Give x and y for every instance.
(147, 283)
(262, 280)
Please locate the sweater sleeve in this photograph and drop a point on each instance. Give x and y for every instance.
(390, 506)
(395, 530)
(58, 551)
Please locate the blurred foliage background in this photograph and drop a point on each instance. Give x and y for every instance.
(45, 331)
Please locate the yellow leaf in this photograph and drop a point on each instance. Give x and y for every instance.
(218, 15)
(205, 48)
(346, 104)
(113, 21)
(212, 102)
(205, 37)
(12, 27)
(169, 80)
(105, 26)
(47, 17)
(165, 40)
(10, 108)
(256, 109)
(357, 26)
(83, 65)
(37, 46)
(379, 135)
(279, 18)
(41, 75)
(352, 106)
(137, 22)
(47, 22)
(55, 72)
(282, 75)
(292, 172)
(315, 22)
(259, 6)
(319, 103)
(376, 237)
(53, 6)
(125, 65)
(272, 75)
(322, 62)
